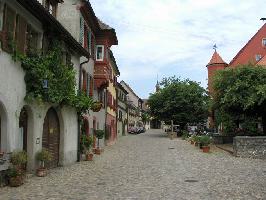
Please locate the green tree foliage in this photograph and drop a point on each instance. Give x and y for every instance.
(145, 117)
(240, 94)
(183, 101)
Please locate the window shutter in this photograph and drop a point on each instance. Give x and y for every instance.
(89, 41)
(85, 45)
(88, 85)
(84, 82)
(21, 34)
(9, 28)
(91, 86)
(81, 36)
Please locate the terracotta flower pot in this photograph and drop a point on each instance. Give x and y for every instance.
(191, 142)
(98, 151)
(41, 172)
(16, 181)
(206, 149)
(89, 157)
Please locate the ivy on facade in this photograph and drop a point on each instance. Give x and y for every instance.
(59, 78)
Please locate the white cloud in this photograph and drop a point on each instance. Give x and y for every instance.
(155, 35)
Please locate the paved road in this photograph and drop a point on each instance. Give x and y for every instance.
(149, 167)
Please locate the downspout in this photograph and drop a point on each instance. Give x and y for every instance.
(105, 122)
(79, 119)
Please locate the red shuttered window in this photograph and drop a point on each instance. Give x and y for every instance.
(21, 30)
(9, 26)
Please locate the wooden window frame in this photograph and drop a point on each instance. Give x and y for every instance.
(102, 57)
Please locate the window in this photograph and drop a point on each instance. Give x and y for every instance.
(9, 28)
(258, 57)
(51, 7)
(264, 42)
(81, 36)
(32, 40)
(99, 52)
(20, 34)
(90, 85)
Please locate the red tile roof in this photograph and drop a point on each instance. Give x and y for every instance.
(216, 59)
(261, 31)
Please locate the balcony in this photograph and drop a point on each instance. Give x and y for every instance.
(101, 77)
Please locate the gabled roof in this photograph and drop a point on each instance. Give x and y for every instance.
(216, 59)
(109, 31)
(114, 61)
(129, 88)
(104, 26)
(122, 88)
(259, 32)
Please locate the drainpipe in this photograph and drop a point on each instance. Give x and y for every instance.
(79, 90)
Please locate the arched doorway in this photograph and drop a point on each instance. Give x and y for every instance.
(3, 128)
(123, 128)
(23, 127)
(51, 136)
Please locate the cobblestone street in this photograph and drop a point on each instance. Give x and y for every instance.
(150, 166)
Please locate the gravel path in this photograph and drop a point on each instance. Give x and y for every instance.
(150, 166)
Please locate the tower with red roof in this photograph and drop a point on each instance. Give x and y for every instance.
(216, 63)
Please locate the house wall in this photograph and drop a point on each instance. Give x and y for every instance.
(12, 93)
(253, 47)
(69, 16)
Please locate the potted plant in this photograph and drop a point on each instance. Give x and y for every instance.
(16, 177)
(99, 135)
(1, 154)
(16, 172)
(197, 141)
(184, 135)
(192, 139)
(43, 156)
(96, 106)
(87, 142)
(19, 159)
(205, 141)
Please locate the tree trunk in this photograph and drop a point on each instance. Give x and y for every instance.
(264, 124)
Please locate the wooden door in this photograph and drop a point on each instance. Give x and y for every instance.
(23, 125)
(51, 137)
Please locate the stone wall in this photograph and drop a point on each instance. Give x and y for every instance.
(222, 139)
(250, 147)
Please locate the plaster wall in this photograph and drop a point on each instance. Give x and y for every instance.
(69, 16)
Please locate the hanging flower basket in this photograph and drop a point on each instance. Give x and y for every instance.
(96, 106)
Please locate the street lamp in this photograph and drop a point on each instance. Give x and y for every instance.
(45, 84)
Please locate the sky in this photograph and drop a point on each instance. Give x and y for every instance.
(163, 38)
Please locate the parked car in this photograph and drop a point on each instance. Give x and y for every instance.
(142, 129)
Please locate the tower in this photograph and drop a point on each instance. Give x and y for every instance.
(157, 87)
(216, 63)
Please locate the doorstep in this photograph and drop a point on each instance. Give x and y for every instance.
(226, 147)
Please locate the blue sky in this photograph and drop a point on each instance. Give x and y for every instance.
(175, 37)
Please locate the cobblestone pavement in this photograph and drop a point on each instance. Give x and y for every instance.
(150, 166)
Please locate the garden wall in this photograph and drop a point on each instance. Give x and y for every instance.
(250, 147)
(222, 139)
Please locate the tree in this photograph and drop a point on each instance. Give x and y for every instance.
(241, 93)
(145, 117)
(182, 101)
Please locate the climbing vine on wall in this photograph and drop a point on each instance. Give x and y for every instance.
(40, 67)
